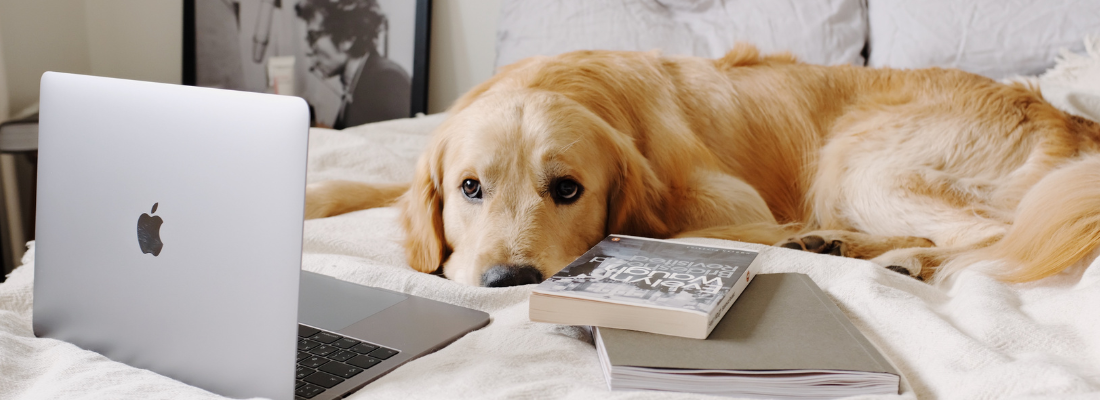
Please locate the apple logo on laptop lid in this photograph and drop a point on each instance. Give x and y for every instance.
(148, 231)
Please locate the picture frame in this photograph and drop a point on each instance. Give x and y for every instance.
(353, 61)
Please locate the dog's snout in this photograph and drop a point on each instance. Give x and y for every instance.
(510, 275)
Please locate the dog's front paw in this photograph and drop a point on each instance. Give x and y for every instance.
(902, 270)
(905, 261)
(816, 244)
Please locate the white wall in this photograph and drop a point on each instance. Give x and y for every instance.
(464, 34)
(136, 39)
(142, 39)
(41, 35)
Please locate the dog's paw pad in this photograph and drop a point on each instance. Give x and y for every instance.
(901, 270)
(816, 244)
(792, 245)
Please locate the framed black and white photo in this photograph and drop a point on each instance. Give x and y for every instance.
(353, 61)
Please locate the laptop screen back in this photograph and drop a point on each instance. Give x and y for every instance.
(169, 228)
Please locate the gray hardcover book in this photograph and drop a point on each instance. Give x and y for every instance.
(783, 339)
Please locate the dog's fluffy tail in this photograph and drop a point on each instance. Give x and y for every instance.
(1057, 224)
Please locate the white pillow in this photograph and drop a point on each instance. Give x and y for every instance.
(995, 38)
(1073, 85)
(816, 31)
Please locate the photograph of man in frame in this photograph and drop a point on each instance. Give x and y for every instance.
(353, 61)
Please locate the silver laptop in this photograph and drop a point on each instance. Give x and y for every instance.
(169, 237)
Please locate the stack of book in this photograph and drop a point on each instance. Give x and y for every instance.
(660, 322)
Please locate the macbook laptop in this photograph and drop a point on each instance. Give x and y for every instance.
(169, 237)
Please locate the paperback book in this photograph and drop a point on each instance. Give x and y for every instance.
(648, 285)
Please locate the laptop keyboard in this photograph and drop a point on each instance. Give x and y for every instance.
(327, 359)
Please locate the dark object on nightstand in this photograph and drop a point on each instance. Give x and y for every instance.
(18, 171)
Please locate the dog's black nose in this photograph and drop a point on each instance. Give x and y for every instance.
(510, 275)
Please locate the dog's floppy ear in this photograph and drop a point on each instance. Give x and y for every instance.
(422, 214)
(636, 202)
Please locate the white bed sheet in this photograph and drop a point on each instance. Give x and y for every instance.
(978, 339)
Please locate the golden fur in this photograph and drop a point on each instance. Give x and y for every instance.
(912, 169)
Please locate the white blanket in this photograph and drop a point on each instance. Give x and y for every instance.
(977, 339)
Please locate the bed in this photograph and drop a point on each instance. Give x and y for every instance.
(978, 338)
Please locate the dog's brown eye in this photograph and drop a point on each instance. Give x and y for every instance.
(471, 188)
(567, 191)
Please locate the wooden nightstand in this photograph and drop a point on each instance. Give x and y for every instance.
(18, 167)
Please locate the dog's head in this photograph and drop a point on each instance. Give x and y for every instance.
(518, 183)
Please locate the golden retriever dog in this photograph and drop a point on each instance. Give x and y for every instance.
(919, 171)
